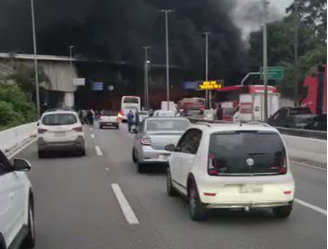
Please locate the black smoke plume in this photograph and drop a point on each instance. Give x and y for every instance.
(117, 29)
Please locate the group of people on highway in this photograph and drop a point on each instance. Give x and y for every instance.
(87, 117)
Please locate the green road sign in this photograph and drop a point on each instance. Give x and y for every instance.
(274, 73)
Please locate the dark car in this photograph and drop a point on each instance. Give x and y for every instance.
(290, 117)
(319, 123)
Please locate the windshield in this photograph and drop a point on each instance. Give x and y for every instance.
(59, 119)
(167, 125)
(247, 152)
(131, 100)
(143, 113)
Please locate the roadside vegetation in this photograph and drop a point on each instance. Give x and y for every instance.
(312, 43)
(15, 108)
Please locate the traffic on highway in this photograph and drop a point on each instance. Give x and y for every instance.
(142, 124)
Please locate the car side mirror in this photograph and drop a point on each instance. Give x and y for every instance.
(22, 165)
(170, 147)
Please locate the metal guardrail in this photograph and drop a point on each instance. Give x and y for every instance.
(322, 135)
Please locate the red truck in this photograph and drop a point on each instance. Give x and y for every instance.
(315, 91)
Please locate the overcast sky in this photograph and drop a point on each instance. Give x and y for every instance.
(248, 13)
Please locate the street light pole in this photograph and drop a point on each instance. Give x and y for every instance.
(208, 94)
(71, 60)
(296, 54)
(37, 92)
(265, 58)
(166, 12)
(146, 91)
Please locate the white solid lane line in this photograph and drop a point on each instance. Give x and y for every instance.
(93, 136)
(98, 150)
(309, 166)
(129, 215)
(308, 205)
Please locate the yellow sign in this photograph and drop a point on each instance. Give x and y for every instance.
(210, 85)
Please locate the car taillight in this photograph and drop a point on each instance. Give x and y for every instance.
(78, 129)
(280, 163)
(122, 113)
(146, 141)
(212, 165)
(41, 130)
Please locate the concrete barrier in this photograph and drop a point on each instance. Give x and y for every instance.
(12, 139)
(307, 149)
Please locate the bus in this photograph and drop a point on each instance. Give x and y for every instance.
(129, 103)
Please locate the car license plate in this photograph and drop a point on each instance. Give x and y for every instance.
(60, 133)
(250, 188)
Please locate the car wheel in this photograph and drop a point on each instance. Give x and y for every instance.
(171, 191)
(134, 158)
(100, 127)
(140, 168)
(30, 238)
(282, 212)
(117, 127)
(196, 208)
(82, 152)
(41, 154)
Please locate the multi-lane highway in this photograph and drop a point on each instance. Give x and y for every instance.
(100, 201)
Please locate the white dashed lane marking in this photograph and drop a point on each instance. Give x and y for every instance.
(128, 213)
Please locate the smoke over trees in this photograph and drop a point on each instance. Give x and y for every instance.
(117, 29)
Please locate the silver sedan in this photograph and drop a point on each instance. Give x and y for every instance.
(152, 136)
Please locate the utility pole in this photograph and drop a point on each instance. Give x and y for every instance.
(37, 92)
(71, 60)
(146, 90)
(265, 58)
(208, 94)
(166, 12)
(296, 54)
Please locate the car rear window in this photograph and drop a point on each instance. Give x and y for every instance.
(59, 119)
(167, 125)
(109, 113)
(300, 111)
(247, 152)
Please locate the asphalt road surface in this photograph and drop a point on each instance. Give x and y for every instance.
(100, 201)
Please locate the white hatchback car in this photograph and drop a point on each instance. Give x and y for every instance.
(60, 130)
(232, 166)
(16, 205)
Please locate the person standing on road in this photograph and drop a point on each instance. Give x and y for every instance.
(136, 123)
(130, 118)
(219, 112)
(90, 117)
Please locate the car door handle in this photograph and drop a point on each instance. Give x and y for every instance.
(11, 195)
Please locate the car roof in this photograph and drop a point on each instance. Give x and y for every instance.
(218, 127)
(59, 112)
(166, 118)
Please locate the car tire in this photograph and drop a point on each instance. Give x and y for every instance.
(282, 212)
(41, 154)
(171, 191)
(197, 210)
(82, 152)
(100, 127)
(134, 158)
(30, 238)
(117, 127)
(140, 168)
